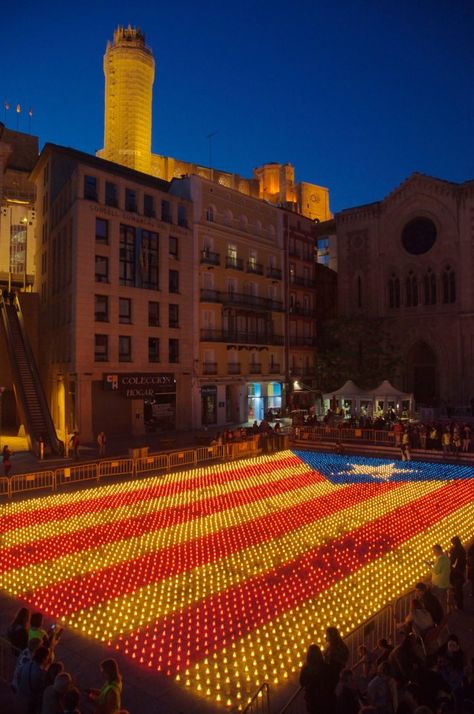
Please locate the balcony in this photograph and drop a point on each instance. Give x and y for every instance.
(209, 367)
(241, 300)
(302, 282)
(302, 341)
(255, 368)
(255, 268)
(209, 258)
(242, 338)
(274, 273)
(234, 368)
(234, 263)
(302, 311)
(274, 368)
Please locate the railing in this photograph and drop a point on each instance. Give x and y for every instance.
(209, 367)
(231, 298)
(234, 368)
(8, 658)
(302, 311)
(256, 268)
(210, 258)
(303, 282)
(327, 433)
(244, 338)
(255, 368)
(260, 702)
(234, 263)
(131, 467)
(274, 273)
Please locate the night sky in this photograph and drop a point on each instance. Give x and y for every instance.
(356, 94)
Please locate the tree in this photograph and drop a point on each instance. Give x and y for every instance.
(355, 348)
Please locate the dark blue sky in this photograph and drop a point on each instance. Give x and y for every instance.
(356, 94)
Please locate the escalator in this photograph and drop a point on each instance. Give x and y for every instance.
(29, 393)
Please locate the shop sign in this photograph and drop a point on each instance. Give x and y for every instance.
(140, 385)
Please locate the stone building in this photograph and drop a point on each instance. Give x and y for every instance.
(114, 260)
(129, 70)
(409, 259)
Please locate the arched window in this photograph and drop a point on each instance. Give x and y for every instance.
(449, 285)
(429, 285)
(393, 291)
(210, 214)
(243, 222)
(411, 290)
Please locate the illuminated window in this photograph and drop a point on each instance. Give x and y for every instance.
(18, 234)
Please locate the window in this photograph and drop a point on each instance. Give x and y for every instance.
(101, 230)
(153, 349)
(149, 260)
(449, 285)
(125, 348)
(111, 194)
(101, 308)
(411, 289)
(182, 217)
(125, 311)
(18, 235)
(173, 315)
(173, 247)
(173, 281)
(90, 188)
(130, 200)
(148, 206)
(166, 211)
(173, 347)
(210, 214)
(101, 348)
(127, 256)
(101, 269)
(393, 291)
(153, 314)
(429, 286)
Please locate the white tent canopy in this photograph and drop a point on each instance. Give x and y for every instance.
(354, 400)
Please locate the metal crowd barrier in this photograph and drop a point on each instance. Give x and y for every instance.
(127, 467)
(260, 701)
(22, 483)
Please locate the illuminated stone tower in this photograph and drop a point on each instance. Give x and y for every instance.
(129, 70)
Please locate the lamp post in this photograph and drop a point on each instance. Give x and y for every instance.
(2, 389)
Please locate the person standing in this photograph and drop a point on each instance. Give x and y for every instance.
(440, 574)
(317, 684)
(6, 457)
(457, 558)
(101, 443)
(107, 699)
(74, 442)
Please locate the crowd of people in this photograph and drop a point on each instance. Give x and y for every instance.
(40, 681)
(418, 673)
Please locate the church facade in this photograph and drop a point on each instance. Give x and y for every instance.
(409, 259)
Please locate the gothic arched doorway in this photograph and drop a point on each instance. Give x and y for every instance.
(422, 377)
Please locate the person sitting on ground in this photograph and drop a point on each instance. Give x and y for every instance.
(53, 697)
(348, 699)
(317, 684)
(71, 701)
(382, 690)
(32, 679)
(24, 657)
(107, 699)
(430, 602)
(336, 653)
(418, 618)
(17, 633)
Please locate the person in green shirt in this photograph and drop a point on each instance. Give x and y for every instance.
(107, 700)
(440, 571)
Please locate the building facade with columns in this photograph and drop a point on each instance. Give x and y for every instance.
(409, 259)
(114, 257)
